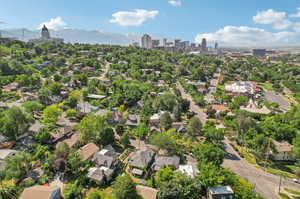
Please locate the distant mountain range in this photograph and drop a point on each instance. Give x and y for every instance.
(76, 36)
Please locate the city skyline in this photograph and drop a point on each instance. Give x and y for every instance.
(267, 23)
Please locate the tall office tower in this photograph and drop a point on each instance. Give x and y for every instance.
(177, 43)
(165, 42)
(155, 43)
(146, 41)
(216, 46)
(204, 45)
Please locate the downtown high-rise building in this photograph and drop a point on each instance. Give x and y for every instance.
(204, 45)
(146, 41)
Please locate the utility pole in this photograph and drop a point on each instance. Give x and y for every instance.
(268, 151)
(280, 181)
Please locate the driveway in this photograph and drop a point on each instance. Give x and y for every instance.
(265, 184)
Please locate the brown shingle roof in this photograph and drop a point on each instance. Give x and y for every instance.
(220, 107)
(282, 146)
(147, 192)
(88, 150)
(39, 192)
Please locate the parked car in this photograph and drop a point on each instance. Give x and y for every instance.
(296, 181)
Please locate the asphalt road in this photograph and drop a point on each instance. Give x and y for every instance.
(266, 184)
(193, 106)
(271, 96)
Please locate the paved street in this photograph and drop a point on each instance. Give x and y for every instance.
(201, 115)
(265, 184)
(271, 96)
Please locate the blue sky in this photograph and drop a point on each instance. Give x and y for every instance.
(225, 21)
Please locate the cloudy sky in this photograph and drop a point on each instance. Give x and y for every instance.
(229, 22)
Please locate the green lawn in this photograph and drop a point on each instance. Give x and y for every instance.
(297, 193)
(284, 196)
(249, 158)
(268, 86)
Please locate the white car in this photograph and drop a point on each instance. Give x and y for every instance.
(296, 181)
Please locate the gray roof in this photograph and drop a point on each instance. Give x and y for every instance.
(36, 126)
(220, 190)
(142, 158)
(104, 160)
(4, 153)
(99, 174)
(86, 107)
(161, 161)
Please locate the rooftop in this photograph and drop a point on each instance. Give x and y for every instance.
(220, 190)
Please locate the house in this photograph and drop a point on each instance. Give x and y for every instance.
(100, 174)
(10, 87)
(200, 86)
(179, 126)
(283, 151)
(36, 174)
(5, 153)
(154, 119)
(96, 97)
(73, 140)
(62, 134)
(107, 157)
(166, 161)
(36, 127)
(41, 192)
(242, 88)
(146, 192)
(88, 69)
(117, 117)
(220, 192)
(87, 151)
(219, 108)
(85, 108)
(5, 143)
(133, 120)
(140, 161)
(189, 170)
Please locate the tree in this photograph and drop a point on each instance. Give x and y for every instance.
(94, 194)
(43, 136)
(14, 122)
(141, 131)
(124, 188)
(125, 140)
(51, 114)
(194, 127)
(32, 106)
(209, 153)
(296, 148)
(162, 141)
(165, 121)
(62, 150)
(17, 166)
(180, 186)
(8, 191)
(96, 129)
(213, 134)
(73, 191)
(239, 101)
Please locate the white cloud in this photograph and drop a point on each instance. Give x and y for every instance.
(174, 2)
(244, 35)
(277, 19)
(2, 22)
(296, 14)
(54, 23)
(133, 18)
